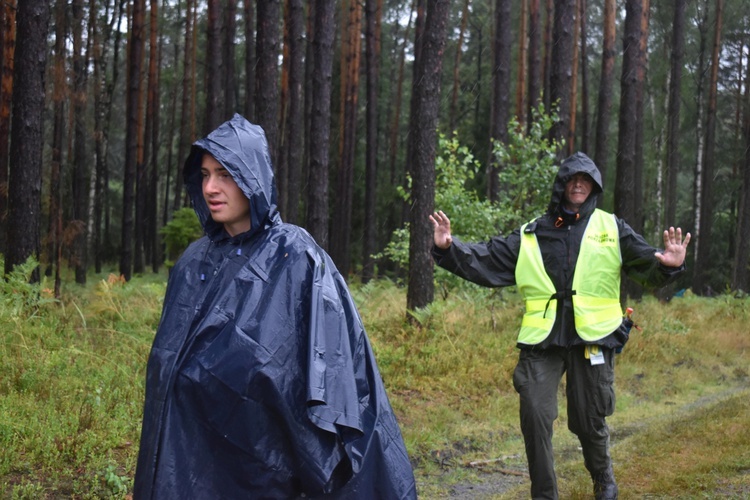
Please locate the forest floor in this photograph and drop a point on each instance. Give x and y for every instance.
(506, 478)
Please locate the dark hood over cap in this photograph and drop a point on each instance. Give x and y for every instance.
(575, 164)
(242, 149)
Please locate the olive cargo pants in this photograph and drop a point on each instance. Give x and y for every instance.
(590, 396)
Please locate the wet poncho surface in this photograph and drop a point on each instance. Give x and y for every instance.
(261, 381)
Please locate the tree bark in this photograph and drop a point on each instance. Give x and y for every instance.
(561, 74)
(606, 82)
(421, 286)
(571, 133)
(186, 136)
(534, 64)
(673, 113)
(133, 92)
(521, 74)
(152, 134)
(373, 13)
(584, 120)
(549, 9)
(342, 215)
(295, 111)
(7, 48)
(26, 141)
(501, 52)
(249, 15)
(214, 80)
(625, 176)
(80, 161)
(320, 127)
(453, 111)
(267, 77)
(742, 236)
(701, 278)
(229, 71)
(59, 97)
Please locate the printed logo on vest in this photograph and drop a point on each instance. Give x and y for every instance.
(602, 239)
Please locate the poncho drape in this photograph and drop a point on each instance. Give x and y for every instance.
(261, 382)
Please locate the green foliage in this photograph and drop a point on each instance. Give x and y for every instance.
(19, 298)
(527, 169)
(527, 173)
(180, 232)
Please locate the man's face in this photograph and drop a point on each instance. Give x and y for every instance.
(577, 190)
(226, 201)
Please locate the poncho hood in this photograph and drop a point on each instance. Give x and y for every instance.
(242, 149)
(577, 163)
(261, 382)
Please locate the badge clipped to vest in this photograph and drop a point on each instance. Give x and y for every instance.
(595, 354)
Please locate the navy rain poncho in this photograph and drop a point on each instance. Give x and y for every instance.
(261, 381)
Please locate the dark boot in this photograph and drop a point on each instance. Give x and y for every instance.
(605, 487)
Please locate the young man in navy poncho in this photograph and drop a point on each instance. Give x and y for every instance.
(261, 382)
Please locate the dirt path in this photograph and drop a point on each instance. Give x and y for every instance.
(507, 477)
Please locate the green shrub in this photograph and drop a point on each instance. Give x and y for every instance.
(526, 175)
(183, 229)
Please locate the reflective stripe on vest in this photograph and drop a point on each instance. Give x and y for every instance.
(596, 295)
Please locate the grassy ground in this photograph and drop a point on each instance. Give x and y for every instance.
(71, 390)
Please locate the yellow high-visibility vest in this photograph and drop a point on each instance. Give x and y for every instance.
(596, 284)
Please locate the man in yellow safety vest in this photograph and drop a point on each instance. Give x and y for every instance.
(573, 322)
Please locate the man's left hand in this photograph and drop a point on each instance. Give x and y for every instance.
(674, 248)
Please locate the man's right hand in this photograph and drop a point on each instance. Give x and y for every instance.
(441, 225)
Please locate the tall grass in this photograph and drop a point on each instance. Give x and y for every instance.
(72, 372)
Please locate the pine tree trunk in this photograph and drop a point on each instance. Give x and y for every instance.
(59, 97)
(186, 136)
(673, 113)
(320, 132)
(584, 120)
(228, 70)
(742, 237)
(342, 216)
(249, 15)
(456, 65)
(80, 160)
(133, 93)
(625, 176)
(561, 74)
(421, 285)
(534, 65)
(571, 133)
(606, 82)
(295, 111)
(151, 240)
(373, 13)
(26, 141)
(7, 47)
(267, 78)
(701, 278)
(549, 9)
(501, 53)
(522, 60)
(214, 81)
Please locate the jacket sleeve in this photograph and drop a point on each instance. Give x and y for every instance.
(639, 261)
(491, 264)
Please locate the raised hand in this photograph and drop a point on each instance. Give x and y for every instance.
(675, 248)
(442, 229)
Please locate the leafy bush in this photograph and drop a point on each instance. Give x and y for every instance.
(180, 232)
(527, 173)
(528, 170)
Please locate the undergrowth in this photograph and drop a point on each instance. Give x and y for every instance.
(72, 374)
